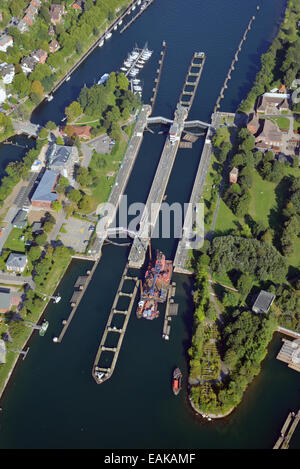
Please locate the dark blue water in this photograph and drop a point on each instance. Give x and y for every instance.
(52, 400)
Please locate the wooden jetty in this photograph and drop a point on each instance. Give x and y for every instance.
(287, 431)
(101, 374)
(190, 137)
(159, 72)
(141, 11)
(290, 353)
(171, 310)
(80, 282)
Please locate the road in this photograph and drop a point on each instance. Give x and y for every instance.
(14, 279)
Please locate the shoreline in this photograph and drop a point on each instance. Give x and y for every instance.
(208, 416)
(31, 332)
(77, 64)
(80, 257)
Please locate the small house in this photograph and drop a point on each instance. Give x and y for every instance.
(263, 302)
(16, 262)
(6, 41)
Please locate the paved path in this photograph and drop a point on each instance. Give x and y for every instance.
(14, 279)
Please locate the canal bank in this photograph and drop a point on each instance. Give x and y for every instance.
(52, 395)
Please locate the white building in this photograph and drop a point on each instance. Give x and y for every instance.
(8, 72)
(6, 41)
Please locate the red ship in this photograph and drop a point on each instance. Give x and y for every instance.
(157, 279)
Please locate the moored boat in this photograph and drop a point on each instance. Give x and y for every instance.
(177, 379)
(147, 310)
(44, 328)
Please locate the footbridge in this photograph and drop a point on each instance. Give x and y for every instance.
(187, 124)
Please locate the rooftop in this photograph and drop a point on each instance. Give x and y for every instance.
(44, 191)
(263, 302)
(60, 155)
(16, 261)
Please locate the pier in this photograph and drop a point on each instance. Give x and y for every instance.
(159, 72)
(143, 8)
(287, 431)
(150, 214)
(141, 52)
(100, 372)
(76, 298)
(290, 353)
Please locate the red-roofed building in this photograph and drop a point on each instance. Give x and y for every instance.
(81, 131)
(40, 56)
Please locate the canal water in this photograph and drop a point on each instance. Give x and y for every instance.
(52, 400)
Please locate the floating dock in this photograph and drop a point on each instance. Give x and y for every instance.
(190, 137)
(171, 311)
(185, 145)
(103, 373)
(232, 66)
(287, 431)
(75, 300)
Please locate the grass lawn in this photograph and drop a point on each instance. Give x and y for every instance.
(263, 199)
(101, 191)
(226, 220)
(13, 241)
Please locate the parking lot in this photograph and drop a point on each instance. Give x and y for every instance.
(77, 234)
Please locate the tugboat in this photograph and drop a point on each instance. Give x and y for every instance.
(177, 378)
